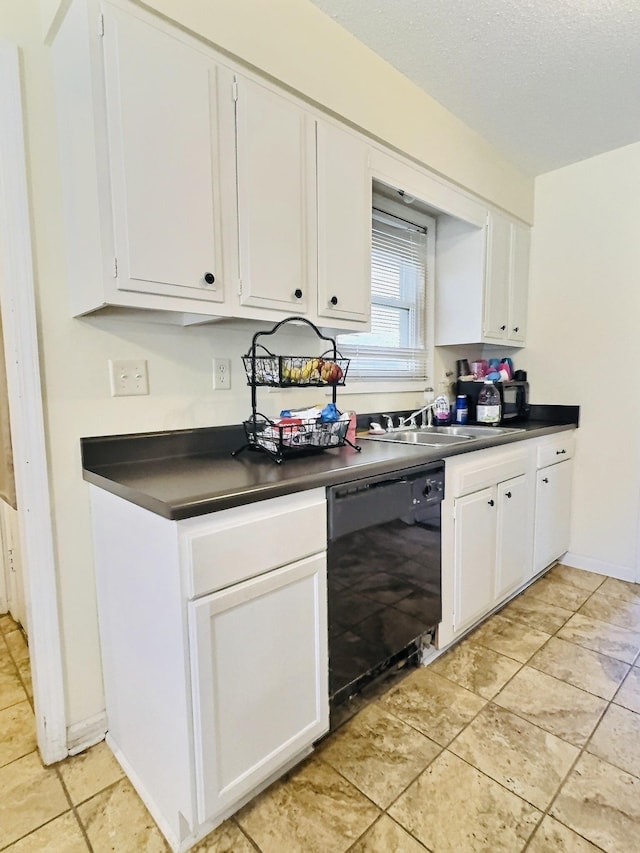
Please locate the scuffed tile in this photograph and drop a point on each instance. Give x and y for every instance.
(89, 772)
(310, 811)
(601, 803)
(378, 753)
(433, 705)
(553, 705)
(452, 807)
(31, 796)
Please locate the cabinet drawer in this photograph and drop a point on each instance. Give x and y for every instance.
(240, 543)
(556, 448)
(492, 468)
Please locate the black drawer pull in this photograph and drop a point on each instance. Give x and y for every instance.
(560, 452)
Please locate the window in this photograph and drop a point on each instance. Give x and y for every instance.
(398, 345)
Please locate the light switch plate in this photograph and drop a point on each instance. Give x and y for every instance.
(129, 377)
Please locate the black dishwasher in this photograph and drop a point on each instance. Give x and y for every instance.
(383, 567)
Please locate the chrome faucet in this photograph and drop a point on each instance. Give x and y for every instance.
(389, 427)
(410, 421)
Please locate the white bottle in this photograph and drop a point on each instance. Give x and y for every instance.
(489, 409)
(441, 405)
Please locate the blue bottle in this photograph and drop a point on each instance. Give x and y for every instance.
(462, 410)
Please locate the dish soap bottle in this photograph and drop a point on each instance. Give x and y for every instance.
(488, 410)
(441, 405)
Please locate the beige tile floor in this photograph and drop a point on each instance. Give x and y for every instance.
(524, 736)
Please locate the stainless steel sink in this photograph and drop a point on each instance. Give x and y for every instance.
(472, 431)
(430, 438)
(439, 436)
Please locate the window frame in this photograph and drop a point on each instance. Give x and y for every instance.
(414, 215)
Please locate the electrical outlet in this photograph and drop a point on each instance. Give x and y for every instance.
(129, 377)
(221, 374)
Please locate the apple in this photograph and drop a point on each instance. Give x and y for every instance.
(331, 372)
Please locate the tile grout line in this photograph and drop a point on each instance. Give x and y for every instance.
(443, 749)
(16, 665)
(74, 808)
(243, 832)
(582, 749)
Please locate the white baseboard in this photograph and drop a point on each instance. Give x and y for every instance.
(600, 567)
(86, 733)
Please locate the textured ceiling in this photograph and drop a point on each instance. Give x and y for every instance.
(547, 82)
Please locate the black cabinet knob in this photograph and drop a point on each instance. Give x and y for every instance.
(516, 328)
(491, 502)
(545, 479)
(297, 293)
(209, 277)
(334, 300)
(560, 452)
(507, 494)
(502, 328)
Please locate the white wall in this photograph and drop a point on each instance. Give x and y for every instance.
(583, 342)
(291, 40)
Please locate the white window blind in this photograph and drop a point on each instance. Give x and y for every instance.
(395, 346)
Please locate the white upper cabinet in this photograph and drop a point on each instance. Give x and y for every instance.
(482, 279)
(344, 226)
(497, 277)
(304, 211)
(145, 121)
(519, 284)
(276, 200)
(194, 187)
(162, 117)
(507, 280)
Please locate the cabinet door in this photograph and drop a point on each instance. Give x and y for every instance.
(276, 200)
(514, 535)
(519, 282)
(474, 555)
(553, 514)
(497, 277)
(162, 112)
(344, 226)
(260, 679)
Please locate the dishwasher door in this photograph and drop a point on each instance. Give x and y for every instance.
(384, 575)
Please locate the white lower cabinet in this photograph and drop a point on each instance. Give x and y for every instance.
(492, 535)
(215, 650)
(260, 669)
(553, 513)
(505, 518)
(514, 534)
(475, 555)
(554, 476)
(487, 530)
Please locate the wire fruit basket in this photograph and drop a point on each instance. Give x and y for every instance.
(293, 436)
(285, 371)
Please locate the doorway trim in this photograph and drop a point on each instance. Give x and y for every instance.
(17, 303)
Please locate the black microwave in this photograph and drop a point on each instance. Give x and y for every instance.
(514, 399)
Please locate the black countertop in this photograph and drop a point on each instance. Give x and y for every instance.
(186, 473)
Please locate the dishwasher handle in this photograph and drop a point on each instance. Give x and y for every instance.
(349, 511)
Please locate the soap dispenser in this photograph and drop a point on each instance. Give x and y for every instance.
(442, 404)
